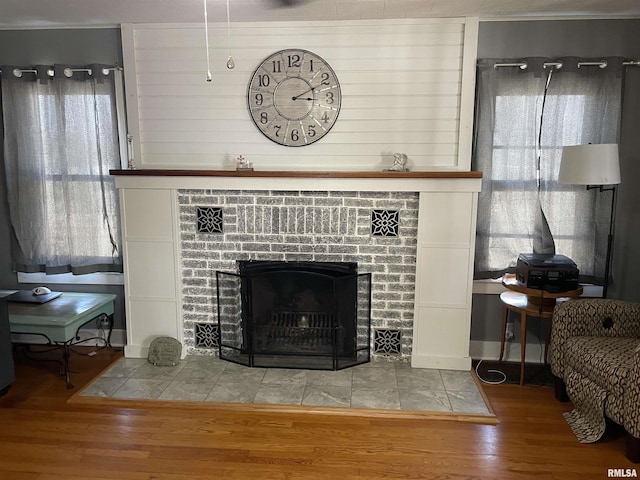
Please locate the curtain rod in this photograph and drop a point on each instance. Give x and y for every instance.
(602, 64)
(68, 72)
(524, 65)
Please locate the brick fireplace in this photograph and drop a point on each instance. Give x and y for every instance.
(414, 232)
(375, 230)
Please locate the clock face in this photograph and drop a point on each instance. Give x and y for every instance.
(294, 97)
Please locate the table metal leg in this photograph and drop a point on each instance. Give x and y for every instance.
(505, 313)
(66, 353)
(523, 344)
(547, 340)
(109, 319)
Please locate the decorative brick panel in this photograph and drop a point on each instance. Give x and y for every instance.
(206, 335)
(386, 341)
(385, 223)
(301, 226)
(209, 219)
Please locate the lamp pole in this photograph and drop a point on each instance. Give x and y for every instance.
(608, 259)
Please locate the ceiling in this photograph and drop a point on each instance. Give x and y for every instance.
(75, 13)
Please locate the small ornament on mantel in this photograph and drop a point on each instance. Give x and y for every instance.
(243, 164)
(399, 163)
(131, 162)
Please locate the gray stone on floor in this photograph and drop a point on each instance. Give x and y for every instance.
(376, 385)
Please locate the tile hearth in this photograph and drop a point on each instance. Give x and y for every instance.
(376, 385)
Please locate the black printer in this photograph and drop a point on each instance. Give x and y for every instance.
(552, 273)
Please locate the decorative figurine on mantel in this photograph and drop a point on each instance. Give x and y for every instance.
(399, 163)
(243, 164)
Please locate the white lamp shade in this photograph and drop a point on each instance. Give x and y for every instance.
(593, 164)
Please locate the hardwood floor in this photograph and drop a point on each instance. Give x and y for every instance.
(43, 437)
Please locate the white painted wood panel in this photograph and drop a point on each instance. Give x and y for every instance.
(442, 53)
(401, 32)
(439, 283)
(151, 299)
(151, 270)
(444, 339)
(439, 227)
(401, 82)
(147, 215)
(310, 183)
(442, 106)
(444, 268)
(363, 126)
(153, 318)
(419, 82)
(192, 137)
(392, 115)
(348, 149)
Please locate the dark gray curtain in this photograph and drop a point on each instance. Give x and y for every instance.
(60, 141)
(524, 116)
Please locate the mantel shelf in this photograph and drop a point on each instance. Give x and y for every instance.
(296, 174)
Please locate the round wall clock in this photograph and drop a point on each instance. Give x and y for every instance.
(294, 97)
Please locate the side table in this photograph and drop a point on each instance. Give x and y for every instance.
(60, 320)
(528, 302)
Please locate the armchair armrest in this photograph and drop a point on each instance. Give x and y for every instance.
(591, 317)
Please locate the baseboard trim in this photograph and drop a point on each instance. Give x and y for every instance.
(490, 350)
(136, 351)
(443, 363)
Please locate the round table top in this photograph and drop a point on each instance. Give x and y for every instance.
(520, 302)
(509, 281)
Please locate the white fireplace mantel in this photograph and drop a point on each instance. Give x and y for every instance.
(444, 264)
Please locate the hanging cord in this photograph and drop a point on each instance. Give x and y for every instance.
(539, 143)
(543, 226)
(230, 63)
(100, 159)
(491, 382)
(206, 40)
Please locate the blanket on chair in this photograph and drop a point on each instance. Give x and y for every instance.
(587, 419)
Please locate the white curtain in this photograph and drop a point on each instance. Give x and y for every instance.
(60, 141)
(524, 116)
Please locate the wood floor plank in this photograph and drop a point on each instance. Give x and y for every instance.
(43, 436)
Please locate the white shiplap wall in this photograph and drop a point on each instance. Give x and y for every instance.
(407, 87)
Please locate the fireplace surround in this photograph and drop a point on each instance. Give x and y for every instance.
(162, 297)
(313, 315)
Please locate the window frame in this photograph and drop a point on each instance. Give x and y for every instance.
(98, 278)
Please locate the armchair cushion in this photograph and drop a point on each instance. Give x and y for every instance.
(595, 354)
(593, 317)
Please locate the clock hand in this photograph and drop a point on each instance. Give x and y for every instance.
(306, 91)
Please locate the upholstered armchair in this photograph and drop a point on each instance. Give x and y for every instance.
(595, 355)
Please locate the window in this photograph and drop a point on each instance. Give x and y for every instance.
(61, 140)
(524, 118)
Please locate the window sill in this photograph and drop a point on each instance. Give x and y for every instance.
(495, 287)
(488, 287)
(69, 278)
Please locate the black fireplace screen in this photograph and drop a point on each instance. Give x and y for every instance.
(313, 315)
